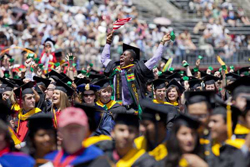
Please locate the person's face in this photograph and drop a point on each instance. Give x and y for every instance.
(124, 135)
(200, 111)
(6, 95)
(126, 59)
(217, 126)
(56, 97)
(44, 140)
(240, 101)
(72, 136)
(247, 118)
(187, 139)
(105, 95)
(210, 87)
(160, 94)
(149, 128)
(173, 95)
(49, 91)
(149, 88)
(89, 96)
(29, 102)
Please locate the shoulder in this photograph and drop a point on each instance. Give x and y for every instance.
(16, 159)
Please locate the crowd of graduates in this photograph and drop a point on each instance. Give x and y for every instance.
(132, 113)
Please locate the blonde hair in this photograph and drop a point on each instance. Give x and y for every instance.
(98, 93)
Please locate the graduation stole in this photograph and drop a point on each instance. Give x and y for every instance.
(161, 102)
(130, 158)
(130, 77)
(107, 106)
(95, 139)
(159, 152)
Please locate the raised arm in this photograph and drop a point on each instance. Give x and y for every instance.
(105, 57)
(154, 60)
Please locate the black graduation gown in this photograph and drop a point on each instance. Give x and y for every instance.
(143, 161)
(230, 157)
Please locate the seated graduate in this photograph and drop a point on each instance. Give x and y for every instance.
(225, 149)
(153, 124)
(73, 128)
(41, 138)
(7, 157)
(183, 146)
(122, 151)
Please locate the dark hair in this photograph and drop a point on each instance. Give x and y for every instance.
(173, 146)
(133, 54)
(178, 92)
(239, 90)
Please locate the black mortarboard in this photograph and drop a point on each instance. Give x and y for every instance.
(194, 83)
(42, 81)
(136, 50)
(40, 121)
(84, 87)
(232, 76)
(242, 81)
(49, 40)
(188, 121)
(9, 86)
(176, 83)
(210, 79)
(60, 85)
(24, 89)
(79, 81)
(93, 113)
(58, 53)
(102, 83)
(156, 112)
(127, 119)
(193, 97)
(159, 84)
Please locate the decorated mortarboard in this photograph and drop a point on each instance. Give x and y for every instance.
(79, 81)
(49, 40)
(175, 83)
(93, 113)
(102, 83)
(156, 112)
(129, 47)
(60, 85)
(85, 87)
(194, 83)
(41, 81)
(159, 84)
(193, 97)
(232, 76)
(127, 119)
(9, 86)
(40, 121)
(242, 81)
(188, 120)
(58, 53)
(210, 79)
(24, 89)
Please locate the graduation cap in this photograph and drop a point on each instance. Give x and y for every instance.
(58, 53)
(136, 50)
(187, 120)
(42, 81)
(24, 89)
(176, 84)
(102, 83)
(193, 97)
(84, 87)
(232, 76)
(159, 84)
(40, 121)
(79, 81)
(210, 79)
(93, 113)
(194, 83)
(242, 81)
(8, 85)
(156, 112)
(127, 119)
(60, 85)
(228, 111)
(50, 40)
